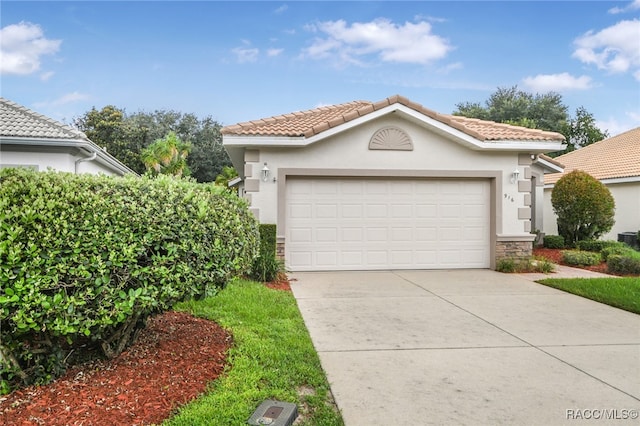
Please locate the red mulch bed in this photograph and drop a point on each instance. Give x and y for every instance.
(172, 361)
(170, 364)
(555, 256)
(280, 283)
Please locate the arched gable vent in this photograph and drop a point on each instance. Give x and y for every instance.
(391, 138)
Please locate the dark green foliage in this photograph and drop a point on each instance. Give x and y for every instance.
(86, 259)
(513, 106)
(579, 257)
(581, 131)
(126, 135)
(553, 241)
(619, 249)
(623, 265)
(540, 111)
(596, 245)
(267, 238)
(584, 206)
(266, 266)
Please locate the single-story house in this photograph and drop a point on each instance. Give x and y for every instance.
(392, 185)
(616, 163)
(29, 139)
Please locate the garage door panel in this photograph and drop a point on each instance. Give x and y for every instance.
(386, 224)
(301, 235)
(351, 211)
(326, 211)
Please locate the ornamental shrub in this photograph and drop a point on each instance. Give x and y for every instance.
(596, 245)
(84, 260)
(623, 265)
(579, 257)
(619, 249)
(553, 241)
(584, 207)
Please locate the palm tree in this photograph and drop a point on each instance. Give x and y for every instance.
(167, 156)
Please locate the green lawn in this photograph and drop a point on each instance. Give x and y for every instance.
(623, 293)
(272, 358)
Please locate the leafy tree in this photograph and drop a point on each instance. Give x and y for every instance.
(539, 111)
(167, 156)
(110, 129)
(126, 136)
(510, 105)
(584, 207)
(581, 131)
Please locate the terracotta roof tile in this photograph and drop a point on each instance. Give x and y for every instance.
(616, 157)
(20, 122)
(311, 122)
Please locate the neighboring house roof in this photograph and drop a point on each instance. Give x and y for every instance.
(613, 158)
(313, 122)
(18, 121)
(20, 126)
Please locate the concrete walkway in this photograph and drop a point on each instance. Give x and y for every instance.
(472, 347)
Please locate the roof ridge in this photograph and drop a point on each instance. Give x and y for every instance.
(43, 118)
(311, 122)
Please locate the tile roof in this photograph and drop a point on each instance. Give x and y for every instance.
(616, 157)
(312, 122)
(21, 122)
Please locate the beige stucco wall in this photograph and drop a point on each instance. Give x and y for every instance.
(58, 161)
(349, 151)
(627, 198)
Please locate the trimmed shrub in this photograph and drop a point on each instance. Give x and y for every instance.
(536, 264)
(623, 265)
(579, 257)
(84, 260)
(584, 207)
(619, 249)
(266, 267)
(553, 241)
(596, 245)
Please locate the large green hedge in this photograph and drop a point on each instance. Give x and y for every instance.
(84, 260)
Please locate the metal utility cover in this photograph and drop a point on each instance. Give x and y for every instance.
(274, 413)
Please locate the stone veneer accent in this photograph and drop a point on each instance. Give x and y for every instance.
(280, 248)
(513, 249)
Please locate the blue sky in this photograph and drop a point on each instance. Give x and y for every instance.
(238, 61)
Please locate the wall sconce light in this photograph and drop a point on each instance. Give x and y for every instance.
(515, 175)
(265, 173)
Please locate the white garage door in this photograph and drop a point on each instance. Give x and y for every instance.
(361, 224)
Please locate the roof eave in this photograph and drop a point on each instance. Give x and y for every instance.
(104, 157)
(548, 165)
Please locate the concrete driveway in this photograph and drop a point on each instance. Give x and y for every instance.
(472, 347)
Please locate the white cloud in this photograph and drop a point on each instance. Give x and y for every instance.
(615, 126)
(45, 76)
(274, 52)
(64, 100)
(634, 5)
(557, 82)
(408, 43)
(281, 9)
(451, 67)
(615, 49)
(70, 98)
(21, 46)
(246, 54)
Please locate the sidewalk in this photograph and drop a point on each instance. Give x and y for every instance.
(562, 271)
